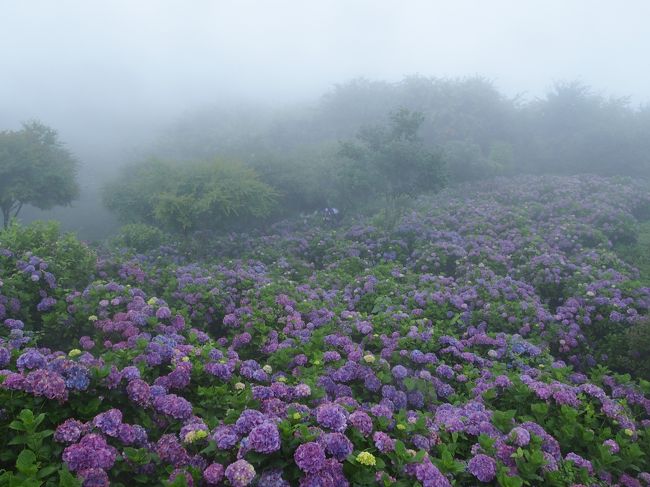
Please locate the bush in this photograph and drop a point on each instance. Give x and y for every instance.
(184, 197)
(390, 162)
(305, 177)
(70, 260)
(38, 268)
(629, 352)
(139, 237)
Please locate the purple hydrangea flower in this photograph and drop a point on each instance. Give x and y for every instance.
(272, 478)
(361, 421)
(612, 446)
(213, 473)
(139, 392)
(130, 434)
(332, 416)
(42, 382)
(225, 437)
(429, 475)
(31, 359)
(399, 372)
(77, 377)
(108, 422)
(240, 474)
(579, 461)
(383, 442)
(5, 357)
(336, 445)
(163, 313)
(91, 452)
(130, 373)
(171, 451)
(264, 438)
(483, 467)
(248, 419)
(94, 477)
(330, 475)
(69, 431)
(173, 405)
(309, 457)
(519, 436)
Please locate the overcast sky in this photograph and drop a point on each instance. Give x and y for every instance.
(121, 65)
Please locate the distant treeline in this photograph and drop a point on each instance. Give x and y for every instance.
(464, 129)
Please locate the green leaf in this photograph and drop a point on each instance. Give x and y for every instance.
(25, 463)
(539, 409)
(503, 420)
(506, 481)
(39, 419)
(17, 425)
(400, 449)
(18, 440)
(29, 483)
(486, 442)
(66, 479)
(178, 482)
(47, 471)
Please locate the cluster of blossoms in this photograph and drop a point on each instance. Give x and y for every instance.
(334, 357)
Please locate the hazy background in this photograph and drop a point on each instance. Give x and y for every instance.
(109, 76)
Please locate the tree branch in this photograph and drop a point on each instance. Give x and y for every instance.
(20, 207)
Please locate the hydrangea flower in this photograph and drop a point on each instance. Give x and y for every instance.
(309, 457)
(332, 416)
(264, 438)
(337, 445)
(240, 473)
(366, 458)
(519, 436)
(91, 452)
(213, 473)
(69, 431)
(482, 467)
(173, 405)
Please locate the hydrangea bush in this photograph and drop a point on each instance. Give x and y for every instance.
(469, 346)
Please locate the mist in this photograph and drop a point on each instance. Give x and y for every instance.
(112, 78)
(324, 243)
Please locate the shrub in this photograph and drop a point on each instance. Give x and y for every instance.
(184, 197)
(69, 259)
(139, 237)
(390, 162)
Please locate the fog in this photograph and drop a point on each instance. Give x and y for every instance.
(112, 76)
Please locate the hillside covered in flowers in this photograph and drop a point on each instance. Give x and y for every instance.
(497, 334)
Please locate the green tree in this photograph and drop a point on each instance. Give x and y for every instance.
(35, 169)
(188, 196)
(391, 161)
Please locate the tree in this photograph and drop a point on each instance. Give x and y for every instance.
(391, 161)
(35, 169)
(185, 197)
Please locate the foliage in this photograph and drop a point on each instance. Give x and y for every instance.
(570, 129)
(188, 196)
(304, 177)
(35, 169)
(39, 266)
(629, 350)
(636, 253)
(69, 259)
(391, 161)
(139, 237)
(460, 347)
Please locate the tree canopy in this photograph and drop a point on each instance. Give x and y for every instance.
(183, 197)
(391, 161)
(35, 169)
